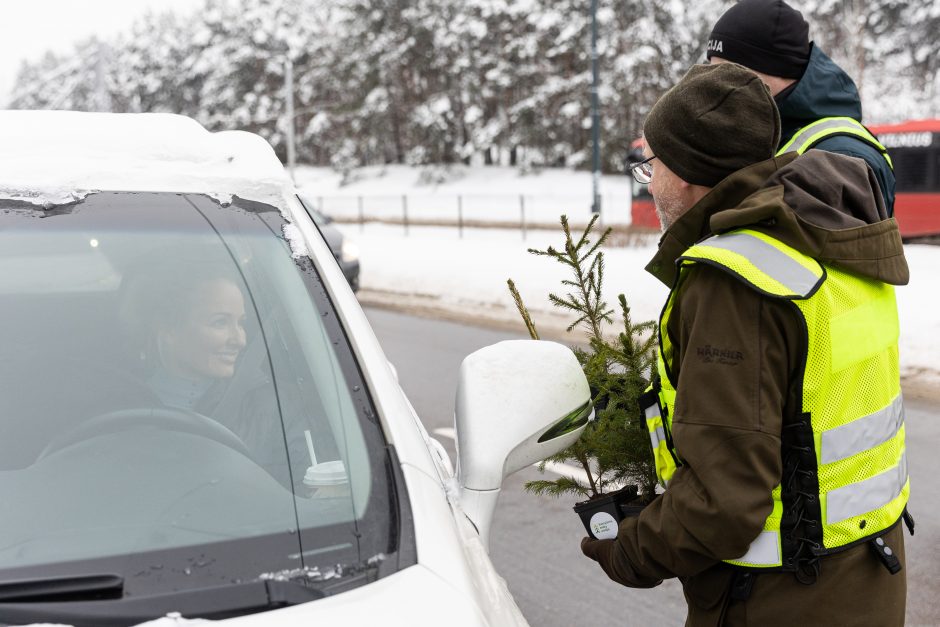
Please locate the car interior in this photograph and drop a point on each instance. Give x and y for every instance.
(93, 462)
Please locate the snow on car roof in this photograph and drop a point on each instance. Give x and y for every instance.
(53, 157)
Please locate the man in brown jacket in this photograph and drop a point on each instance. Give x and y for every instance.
(737, 360)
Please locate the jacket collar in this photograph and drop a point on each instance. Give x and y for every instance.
(694, 225)
(824, 90)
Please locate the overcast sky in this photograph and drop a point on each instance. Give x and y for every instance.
(33, 26)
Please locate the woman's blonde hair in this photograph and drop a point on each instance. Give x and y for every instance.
(158, 295)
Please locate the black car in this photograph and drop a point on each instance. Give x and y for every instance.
(344, 250)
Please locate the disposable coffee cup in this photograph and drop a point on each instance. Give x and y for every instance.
(327, 480)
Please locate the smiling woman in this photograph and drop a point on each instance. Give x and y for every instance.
(185, 323)
(210, 336)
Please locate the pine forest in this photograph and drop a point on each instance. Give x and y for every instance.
(447, 81)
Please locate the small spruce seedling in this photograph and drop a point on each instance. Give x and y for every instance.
(614, 449)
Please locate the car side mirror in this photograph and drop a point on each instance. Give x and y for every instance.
(518, 402)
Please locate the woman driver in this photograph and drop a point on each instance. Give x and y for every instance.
(186, 322)
(188, 327)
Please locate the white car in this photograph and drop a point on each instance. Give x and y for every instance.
(197, 420)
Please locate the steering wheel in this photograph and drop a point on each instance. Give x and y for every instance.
(166, 418)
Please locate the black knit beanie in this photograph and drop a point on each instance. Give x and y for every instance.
(768, 36)
(716, 120)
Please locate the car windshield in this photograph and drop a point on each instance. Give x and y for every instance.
(179, 403)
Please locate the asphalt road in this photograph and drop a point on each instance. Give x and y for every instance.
(534, 542)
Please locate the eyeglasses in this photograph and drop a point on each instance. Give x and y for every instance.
(643, 171)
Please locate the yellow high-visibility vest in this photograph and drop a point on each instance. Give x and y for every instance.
(845, 474)
(821, 129)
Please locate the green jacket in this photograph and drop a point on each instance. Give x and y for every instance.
(729, 413)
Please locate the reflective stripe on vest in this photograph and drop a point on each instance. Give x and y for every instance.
(852, 407)
(780, 270)
(663, 457)
(657, 432)
(865, 496)
(812, 134)
(764, 551)
(862, 434)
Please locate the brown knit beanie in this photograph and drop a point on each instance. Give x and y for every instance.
(715, 121)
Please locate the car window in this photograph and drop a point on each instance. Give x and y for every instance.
(178, 401)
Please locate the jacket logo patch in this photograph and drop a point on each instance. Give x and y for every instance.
(714, 45)
(709, 354)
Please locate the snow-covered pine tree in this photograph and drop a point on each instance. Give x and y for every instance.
(70, 81)
(651, 45)
(151, 70)
(922, 53)
(867, 39)
(501, 81)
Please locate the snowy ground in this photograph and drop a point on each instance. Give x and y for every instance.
(435, 270)
(485, 194)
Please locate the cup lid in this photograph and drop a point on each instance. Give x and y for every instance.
(326, 473)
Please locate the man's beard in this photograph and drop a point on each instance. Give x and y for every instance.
(663, 221)
(668, 207)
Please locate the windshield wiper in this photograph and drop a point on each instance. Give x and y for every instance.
(217, 602)
(70, 588)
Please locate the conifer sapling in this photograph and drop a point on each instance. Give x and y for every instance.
(614, 449)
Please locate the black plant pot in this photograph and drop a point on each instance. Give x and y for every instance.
(601, 515)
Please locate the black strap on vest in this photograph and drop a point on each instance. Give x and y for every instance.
(886, 554)
(908, 521)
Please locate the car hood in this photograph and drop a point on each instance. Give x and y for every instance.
(413, 597)
(455, 584)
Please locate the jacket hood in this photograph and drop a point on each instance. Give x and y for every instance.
(825, 205)
(825, 90)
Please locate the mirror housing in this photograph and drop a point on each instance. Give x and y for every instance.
(518, 402)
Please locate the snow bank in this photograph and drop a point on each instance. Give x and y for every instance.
(467, 275)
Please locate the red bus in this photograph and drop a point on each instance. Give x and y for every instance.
(914, 148)
(642, 209)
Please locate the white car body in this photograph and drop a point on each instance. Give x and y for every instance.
(453, 581)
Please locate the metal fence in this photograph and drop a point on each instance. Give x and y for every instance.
(522, 211)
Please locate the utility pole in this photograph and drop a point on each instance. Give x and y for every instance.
(102, 62)
(595, 113)
(289, 108)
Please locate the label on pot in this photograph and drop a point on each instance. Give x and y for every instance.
(603, 526)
